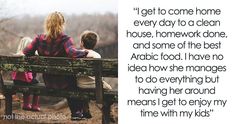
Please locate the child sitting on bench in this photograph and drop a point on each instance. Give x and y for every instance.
(26, 78)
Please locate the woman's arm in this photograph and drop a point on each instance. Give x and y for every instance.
(31, 48)
(72, 51)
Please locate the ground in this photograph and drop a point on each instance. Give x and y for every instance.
(49, 114)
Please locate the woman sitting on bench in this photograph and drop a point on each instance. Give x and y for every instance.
(55, 43)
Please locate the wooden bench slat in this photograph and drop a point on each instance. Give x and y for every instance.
(63, 66)
(10, 85)
(36, 60)
(57, 70)
(57, 61)
(41, 90)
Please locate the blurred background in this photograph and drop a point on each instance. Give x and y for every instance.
(20, 18)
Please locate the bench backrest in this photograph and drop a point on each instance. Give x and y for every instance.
(63, 66)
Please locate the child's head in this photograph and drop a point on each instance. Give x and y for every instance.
(23, 44)
(88, 39)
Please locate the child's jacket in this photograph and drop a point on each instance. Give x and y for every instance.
(22, 76)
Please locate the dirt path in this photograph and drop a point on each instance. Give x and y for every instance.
(50, 115)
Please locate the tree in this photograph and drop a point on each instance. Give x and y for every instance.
(4, 32)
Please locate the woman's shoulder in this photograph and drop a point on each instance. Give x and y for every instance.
(65, 37)
(62, 38)
(40, 37)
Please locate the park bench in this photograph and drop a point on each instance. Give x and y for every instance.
(61, 66)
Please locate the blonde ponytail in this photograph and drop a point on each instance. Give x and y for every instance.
(54, 25)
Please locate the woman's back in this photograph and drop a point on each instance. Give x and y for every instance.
(54, 48)
(54, 43)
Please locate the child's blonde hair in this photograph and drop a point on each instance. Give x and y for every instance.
(23, 44)
(54, 25)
